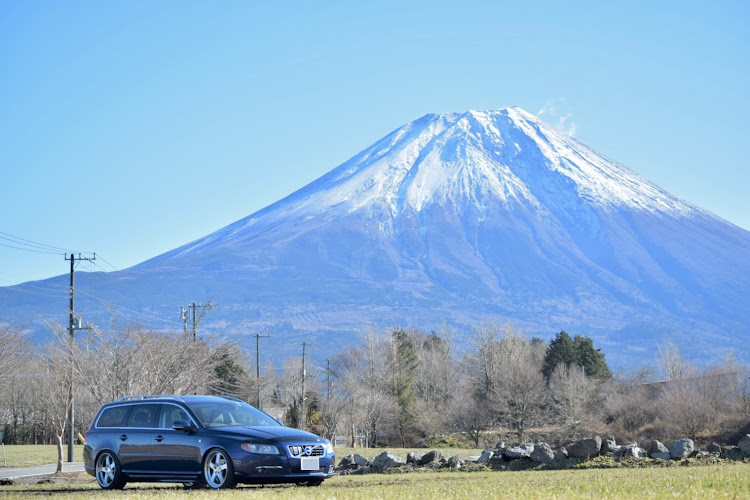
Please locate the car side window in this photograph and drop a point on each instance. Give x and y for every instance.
(171, 414)
(114, 416)
(144, 416)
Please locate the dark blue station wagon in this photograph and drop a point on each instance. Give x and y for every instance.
(200, 441)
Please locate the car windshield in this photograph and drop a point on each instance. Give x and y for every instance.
(230, 413)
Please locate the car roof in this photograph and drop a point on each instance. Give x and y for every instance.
(160, 398)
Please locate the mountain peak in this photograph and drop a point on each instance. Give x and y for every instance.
(506, 154)
(460, 218)
(482, 161)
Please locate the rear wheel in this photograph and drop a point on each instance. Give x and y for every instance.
(108, 472)
(218, 470)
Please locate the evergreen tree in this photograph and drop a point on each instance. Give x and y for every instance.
(577, 351)
(404, 368)
(230, 377)
(590, 358)
(560, 350)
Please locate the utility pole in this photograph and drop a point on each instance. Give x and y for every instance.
(328, 382)
(304, 374)
(195, 321)
(258, 336)
(71, 332)
(192, 309)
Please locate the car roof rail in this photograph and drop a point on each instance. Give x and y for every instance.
(147, 396)
(232, 398)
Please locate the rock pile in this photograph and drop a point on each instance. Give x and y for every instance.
(542, 453)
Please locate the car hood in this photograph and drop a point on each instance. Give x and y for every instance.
(272, 433)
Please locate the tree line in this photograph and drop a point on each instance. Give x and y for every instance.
(392, 387)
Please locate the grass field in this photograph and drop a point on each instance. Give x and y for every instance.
(730, 480)
(20, 455)
(36, 454)
(726, 481)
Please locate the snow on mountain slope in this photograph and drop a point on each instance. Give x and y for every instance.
(469, 159)
(459, 218)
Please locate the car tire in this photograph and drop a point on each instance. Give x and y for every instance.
(195, 485)
(109, 472)
(310, 483)
(218, 469)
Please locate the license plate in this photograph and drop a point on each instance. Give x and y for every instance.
(309, 463)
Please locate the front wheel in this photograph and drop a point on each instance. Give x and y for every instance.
(218, 470)
(194, 485)
(108, 472)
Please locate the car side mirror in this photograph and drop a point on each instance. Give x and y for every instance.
(183, 425)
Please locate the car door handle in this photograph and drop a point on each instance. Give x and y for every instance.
(160, 438)
(123, 437)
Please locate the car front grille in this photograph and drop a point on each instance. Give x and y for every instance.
(306, 450)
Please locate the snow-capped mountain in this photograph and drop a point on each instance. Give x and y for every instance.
(459, 218)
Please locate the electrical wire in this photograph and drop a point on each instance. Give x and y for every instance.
(18, 243)
(40, 247)
(105, 261)
(30, 250)
(131, 311)
(33, 292)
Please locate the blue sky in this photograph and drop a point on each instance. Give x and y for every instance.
(130, 128)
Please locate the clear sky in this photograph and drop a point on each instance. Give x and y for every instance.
(130, 128)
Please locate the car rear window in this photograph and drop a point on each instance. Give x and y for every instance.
(144, 416)
(114, 417)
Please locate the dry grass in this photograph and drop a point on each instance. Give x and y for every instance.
(714, 481)
(725, 481)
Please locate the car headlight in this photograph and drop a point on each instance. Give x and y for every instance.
(262, 449)
(328, 448)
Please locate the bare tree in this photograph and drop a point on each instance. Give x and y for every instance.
(577, 399)
(333, 407)
(289, 392)
(470, 412)
(521, 394)
(361, 372)
(52, 390)
(14, 360)
(671, 361)
(120, 362)
(506, 370)
(698, 402)
(437, 383)
(486, 358)
(335, 404)
(738, 377)
(628, 399)
(14, 351)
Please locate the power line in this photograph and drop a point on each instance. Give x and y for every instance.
(34, 244)
(33, 292)
(132, 311)
(105, 261)
(49, 252)
(56, 291)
